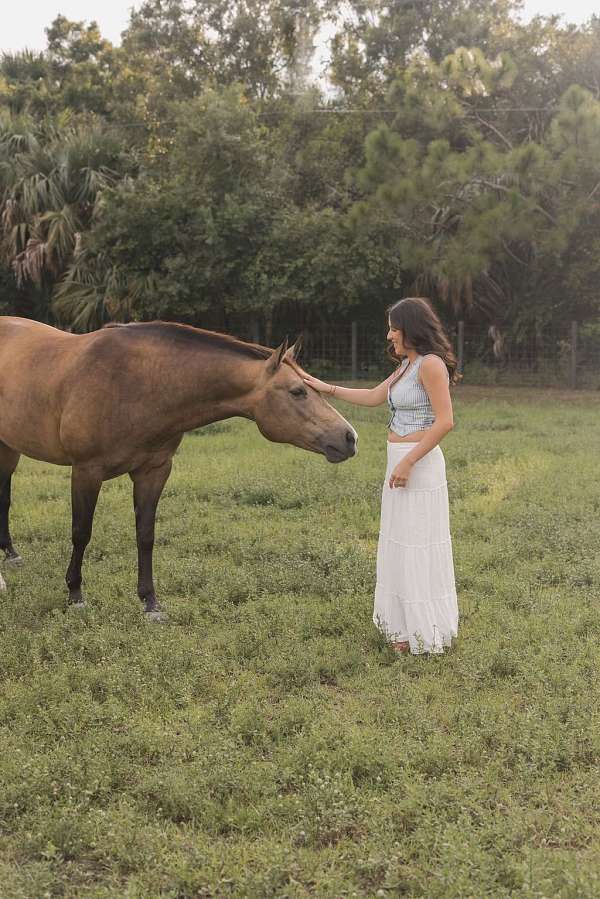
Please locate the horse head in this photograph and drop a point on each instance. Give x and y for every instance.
(287, 411)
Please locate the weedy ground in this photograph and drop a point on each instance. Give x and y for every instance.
(265, 742)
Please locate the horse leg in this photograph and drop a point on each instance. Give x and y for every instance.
(85, 487)
(8, 462)
(148, 483)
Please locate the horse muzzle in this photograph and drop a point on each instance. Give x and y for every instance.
(342, 448)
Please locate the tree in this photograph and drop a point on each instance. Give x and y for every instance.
(479, 217)
(256, 43)
(75, 73)
(82, 65)
(209, 201)
(25, 83)
(375, 41)
(50, 183)
(233, 231)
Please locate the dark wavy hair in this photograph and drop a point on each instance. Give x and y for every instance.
(422, 331)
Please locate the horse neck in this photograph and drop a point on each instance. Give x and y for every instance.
(206, 386)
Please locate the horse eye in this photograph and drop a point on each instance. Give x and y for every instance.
(298, 391)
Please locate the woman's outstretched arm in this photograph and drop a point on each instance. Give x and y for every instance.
(374, 396)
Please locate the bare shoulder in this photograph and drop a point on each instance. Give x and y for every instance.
(432, 367)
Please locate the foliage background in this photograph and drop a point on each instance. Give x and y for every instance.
(202, 171)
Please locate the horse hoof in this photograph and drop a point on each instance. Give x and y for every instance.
(2, 583)
(78, 605)
(155, 615)
(14, 561)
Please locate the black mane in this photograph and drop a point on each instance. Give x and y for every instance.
(197, 336)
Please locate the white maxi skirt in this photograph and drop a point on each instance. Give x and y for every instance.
(415, 595)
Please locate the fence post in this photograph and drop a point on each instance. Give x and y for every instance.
(354, 351)
(573, 378)
(461, 346)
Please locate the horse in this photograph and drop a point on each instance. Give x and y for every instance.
(119, 400)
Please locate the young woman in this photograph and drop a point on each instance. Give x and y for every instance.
(415, 597)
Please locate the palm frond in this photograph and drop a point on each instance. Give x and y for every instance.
(60, 227)
(81, 307)
(30, 264)
(51, 180)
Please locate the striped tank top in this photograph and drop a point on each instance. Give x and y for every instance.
(409, 401)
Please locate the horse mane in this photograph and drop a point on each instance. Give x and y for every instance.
(178, 332)
(189, 334)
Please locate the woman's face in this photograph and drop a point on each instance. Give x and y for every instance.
(394, 335)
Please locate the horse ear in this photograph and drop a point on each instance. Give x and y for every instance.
(276, 357)
(294, 351)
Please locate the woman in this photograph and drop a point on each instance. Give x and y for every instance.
(415, 597)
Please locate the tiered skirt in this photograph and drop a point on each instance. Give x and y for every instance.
(415, 595)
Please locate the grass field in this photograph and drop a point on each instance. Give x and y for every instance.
(265, 742)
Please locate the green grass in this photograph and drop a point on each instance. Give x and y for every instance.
(266, 742)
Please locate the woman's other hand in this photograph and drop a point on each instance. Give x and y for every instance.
(400, 474)
(321, 386)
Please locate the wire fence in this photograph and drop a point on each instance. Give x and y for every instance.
(567, 357)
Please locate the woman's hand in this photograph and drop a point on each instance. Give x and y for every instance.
(321, 386)
(401, 473)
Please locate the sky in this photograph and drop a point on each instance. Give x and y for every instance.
(24, 25)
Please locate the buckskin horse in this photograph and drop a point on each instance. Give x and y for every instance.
(119, 400)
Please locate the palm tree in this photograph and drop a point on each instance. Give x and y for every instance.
(94, 290)
(51, 180)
